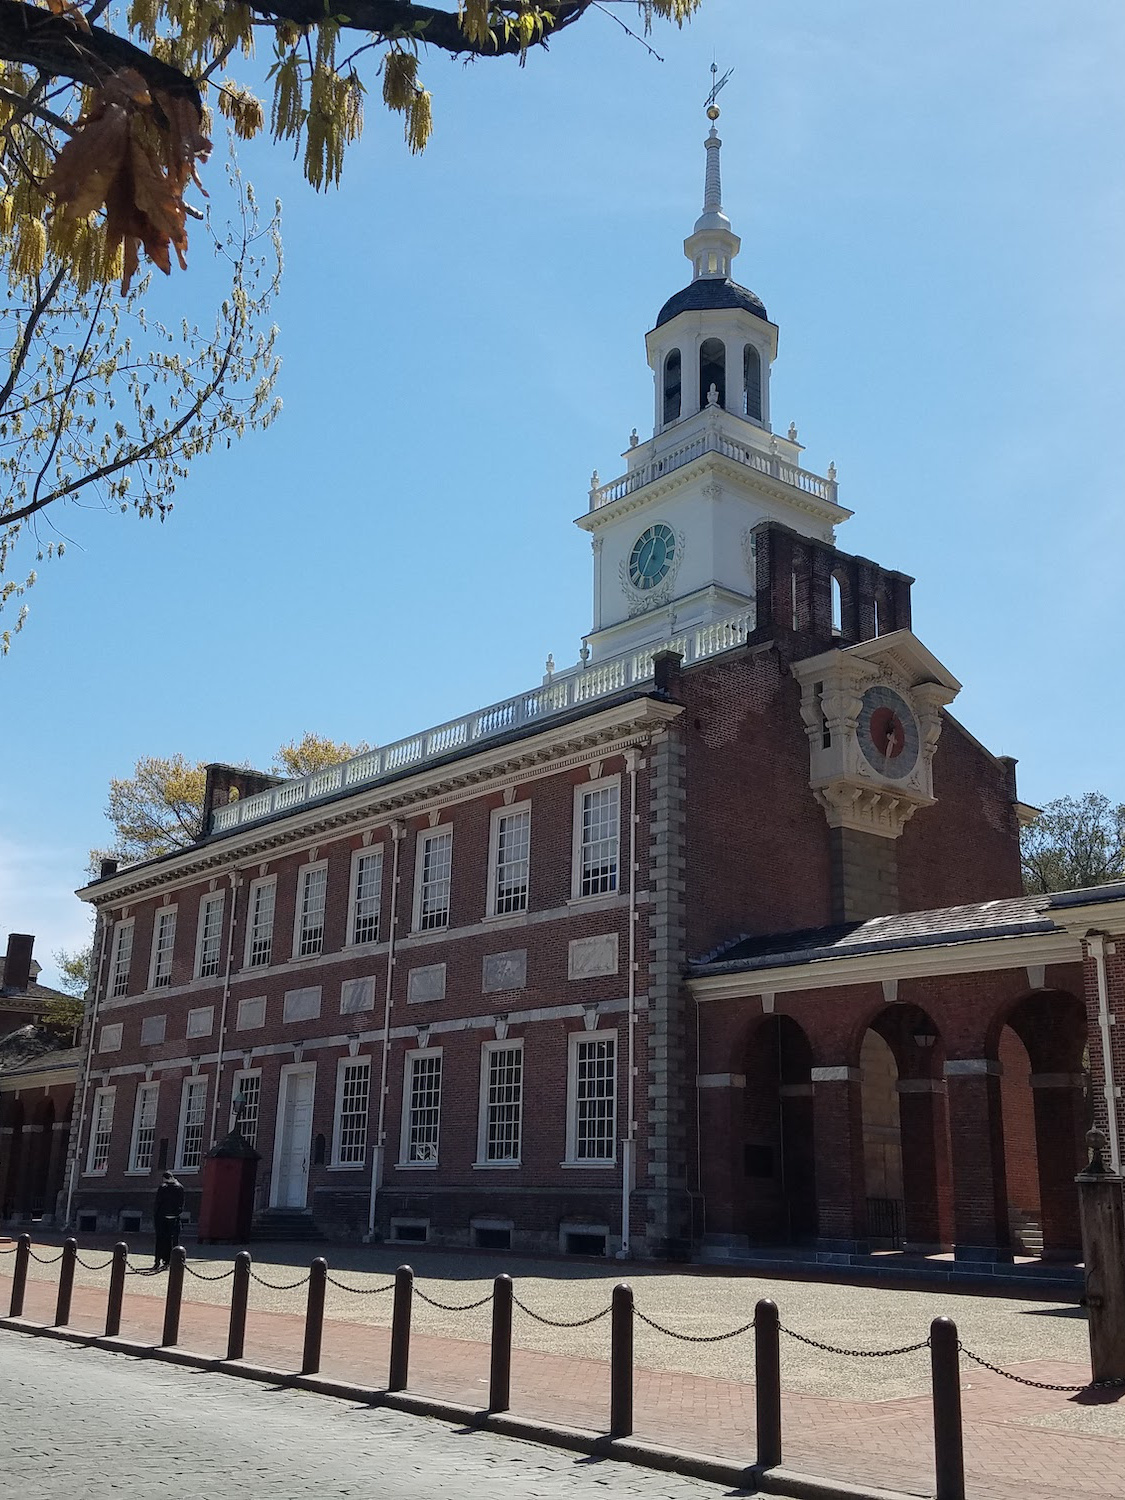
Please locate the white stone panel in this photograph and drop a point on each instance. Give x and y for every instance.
(591, 956)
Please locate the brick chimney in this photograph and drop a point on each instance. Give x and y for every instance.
(229, 784)
(17, 962)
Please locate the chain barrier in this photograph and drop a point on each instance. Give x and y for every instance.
(45, 1260)
(202, 1276)
(361, 1291)
(558, 1322)
(8, 1249)
(855, 1353)
(1041, 1385)
(278, 1286)
(451, 1306)
(86, 1266)
(694, 1338)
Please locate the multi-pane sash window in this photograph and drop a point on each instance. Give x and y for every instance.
(434, 870)
(367, 892)
(594, 1097)
(310, 911)
(259, 925)
(503, 1104)
(163, 943)
(513, 854)
(121, 959)
(144, 1127)
(352, 1093)
(209, 949)
(244, 1105)
(599, 812)
(423, 1107)
(193, 1111)
(101, 1130)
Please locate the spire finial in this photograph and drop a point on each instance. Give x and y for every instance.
(712, 226)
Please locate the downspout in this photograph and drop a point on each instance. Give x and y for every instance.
(629, 1143)
(235, 884)
(76, 1156)
(1095, 945)
(398, 833)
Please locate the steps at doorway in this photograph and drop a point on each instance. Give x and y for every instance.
(285, 1225)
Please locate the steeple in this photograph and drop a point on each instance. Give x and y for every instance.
(712, 245)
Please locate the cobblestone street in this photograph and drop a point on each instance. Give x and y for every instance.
(847, 1418)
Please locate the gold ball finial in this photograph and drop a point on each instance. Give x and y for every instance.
(712, 111)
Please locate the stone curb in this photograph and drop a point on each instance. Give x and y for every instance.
(748, 1479)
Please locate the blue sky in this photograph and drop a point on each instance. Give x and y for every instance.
(932, 205)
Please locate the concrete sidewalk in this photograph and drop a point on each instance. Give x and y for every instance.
(1020, 1443)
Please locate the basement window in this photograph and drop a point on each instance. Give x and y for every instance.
(585, 1239)
(87, 1223)
(130, 1223)
(410, 1231)
(488, 1234)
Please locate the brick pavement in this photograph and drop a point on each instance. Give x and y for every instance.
(1008, 1454)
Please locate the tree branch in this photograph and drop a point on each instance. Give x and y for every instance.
(403, 18)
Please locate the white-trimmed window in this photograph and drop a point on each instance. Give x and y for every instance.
(101, 1130)
(120, 958)
(591, 1098)
(353, 1093)
(432, 878)
(259, 922)
(597, 837)
(312, 889)
(193, 1118)
(509, 859)
(144, 1127)
(163, 947)
(367, 894)
(110, 1039)
(245, 1103)
(209, 935)
(421, 1108)
(501, 1104)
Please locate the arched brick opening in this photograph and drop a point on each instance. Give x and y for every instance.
(11, 1155)
(1046, 1108)
(778, 1187)
(37, 1187)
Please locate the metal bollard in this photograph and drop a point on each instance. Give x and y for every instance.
(621, 1363)
(945, 1368)
(239, 1297)
(314, 1316)
(19, 1276)
(66, 1283)
(173, 1298)
(500, 1373)
(116, 1290)
(767, 1382)
(400, 1330)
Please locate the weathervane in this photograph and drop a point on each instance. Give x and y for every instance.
(717, 85)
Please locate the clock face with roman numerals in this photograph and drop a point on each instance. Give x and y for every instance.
(888, 733)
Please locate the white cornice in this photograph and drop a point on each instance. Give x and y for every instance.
(560, 747)
(982, 955)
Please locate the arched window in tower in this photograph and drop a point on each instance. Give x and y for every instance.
(712, 370)
(672, 387)
(752, 382)
(837, 607)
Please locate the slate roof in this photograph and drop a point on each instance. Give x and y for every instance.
(1011, 917)
(33, 1048)
(708, 293)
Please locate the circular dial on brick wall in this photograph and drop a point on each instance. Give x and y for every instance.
(652, 557)
(888, 733)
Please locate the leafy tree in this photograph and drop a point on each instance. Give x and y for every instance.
(1074, 842)
(160, 807)
(102, 402)
(74, 969)
(106, 113)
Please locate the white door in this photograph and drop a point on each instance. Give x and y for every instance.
(294, 1138)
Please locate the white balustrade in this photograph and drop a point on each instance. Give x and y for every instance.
(713, 442)
(553, 697)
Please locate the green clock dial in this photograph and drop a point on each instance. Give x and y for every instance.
(652, 557)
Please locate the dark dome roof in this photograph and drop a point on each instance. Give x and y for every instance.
(711, 292)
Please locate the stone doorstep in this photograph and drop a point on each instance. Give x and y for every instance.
(774, 1481)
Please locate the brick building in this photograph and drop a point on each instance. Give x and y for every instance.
(714, 938)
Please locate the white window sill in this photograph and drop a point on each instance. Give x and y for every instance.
(601, 902)
(425, 932)
(96, 1172)
(497, 1166)
(345, 1166)
(513, 918)
(185, 1172)
(416, 1166)
(138, 1172)
(591, 1166)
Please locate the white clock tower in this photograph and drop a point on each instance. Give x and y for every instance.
(672, 537)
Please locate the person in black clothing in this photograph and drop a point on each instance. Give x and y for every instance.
(166, 1211)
